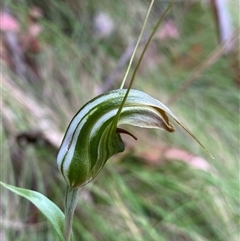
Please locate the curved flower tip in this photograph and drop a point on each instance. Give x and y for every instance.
(92, 136)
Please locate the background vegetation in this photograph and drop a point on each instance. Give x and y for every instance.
(164, 186)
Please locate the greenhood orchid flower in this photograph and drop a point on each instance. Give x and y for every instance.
(93, 136)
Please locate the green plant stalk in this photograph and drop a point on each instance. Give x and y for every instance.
(70, 206)
(138, 41)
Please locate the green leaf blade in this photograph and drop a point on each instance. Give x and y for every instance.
(49, 209)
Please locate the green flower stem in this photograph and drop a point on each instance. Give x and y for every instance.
(70, 206)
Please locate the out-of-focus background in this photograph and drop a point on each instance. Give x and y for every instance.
(56, 55)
